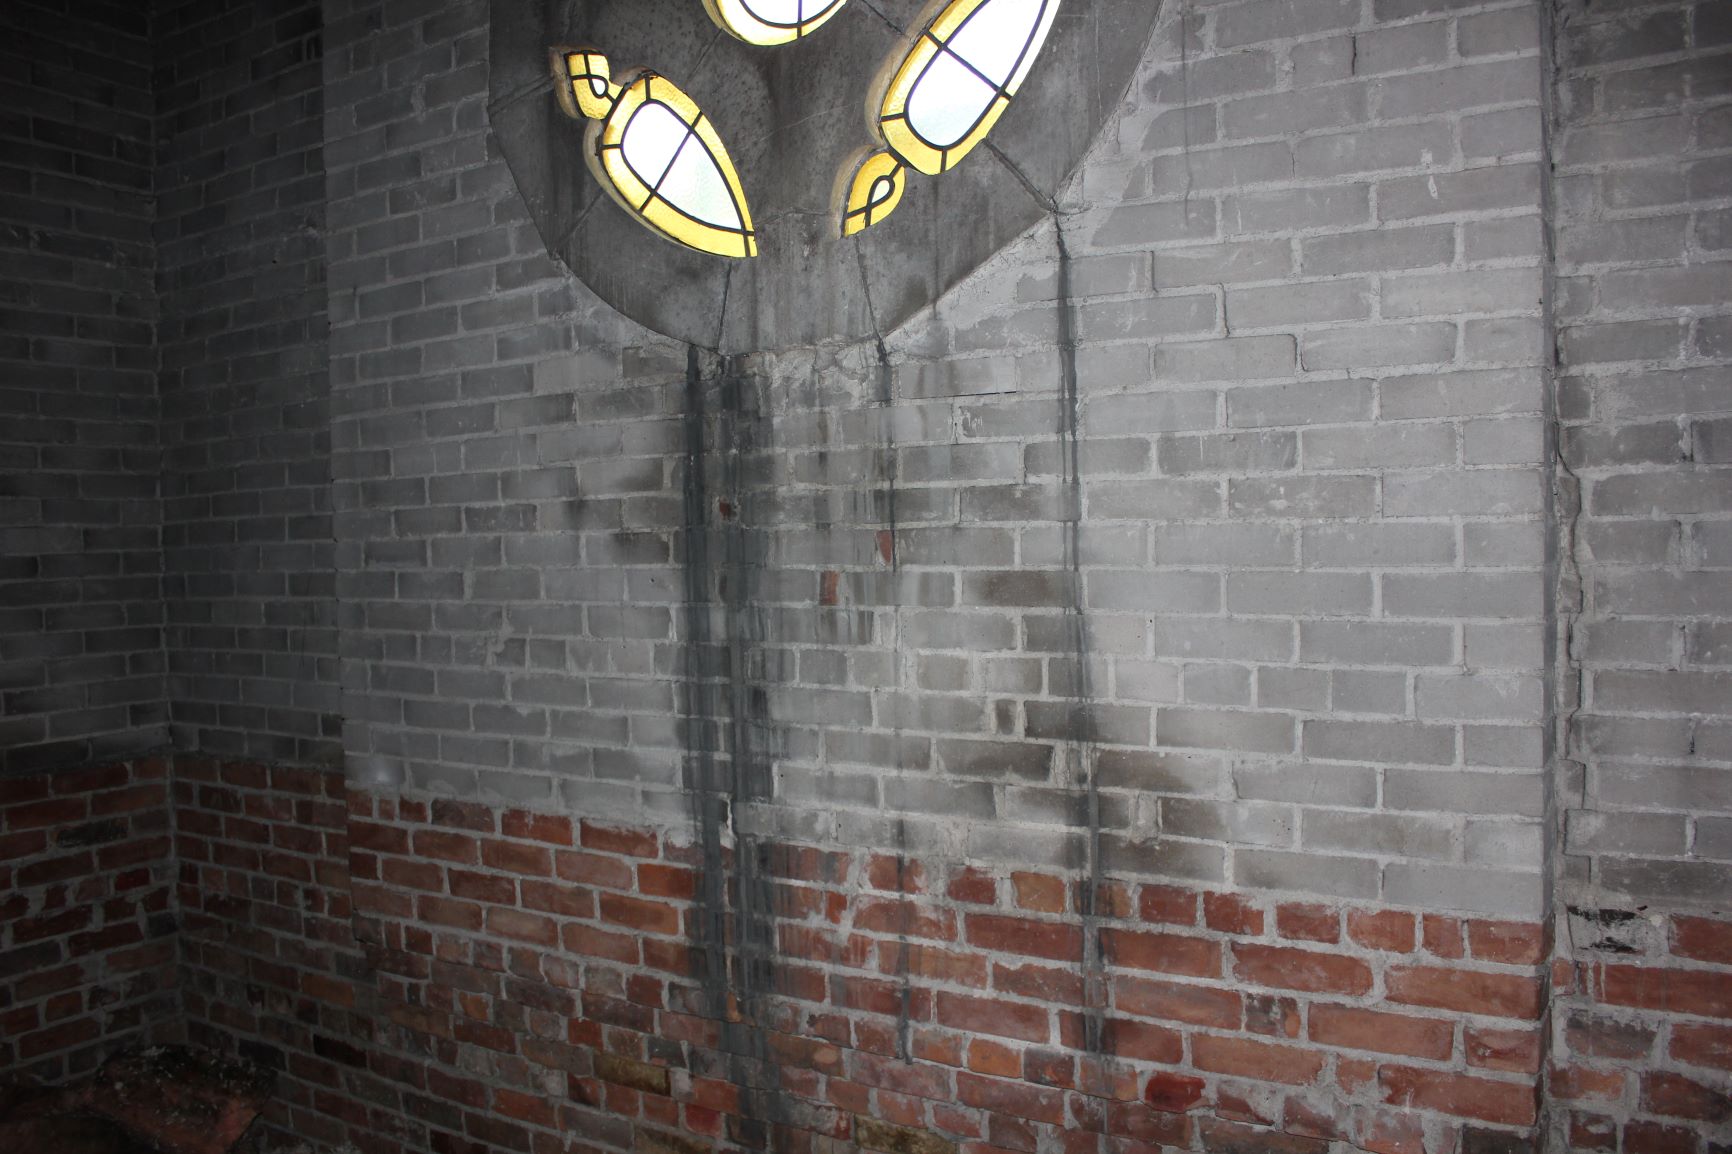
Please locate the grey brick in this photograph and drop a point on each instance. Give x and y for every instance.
(1378, 346)
(1378, 250)
(1375, 149)
(1222, 729)
(1474, 190)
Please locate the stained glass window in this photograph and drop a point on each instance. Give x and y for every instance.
(943, 98)
(873, 192)
(959, 77)
(657, 154)
(772, 21)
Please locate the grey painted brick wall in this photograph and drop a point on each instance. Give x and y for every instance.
(245, 387)
(81, 658)
(1644, 305)
(1298, 635)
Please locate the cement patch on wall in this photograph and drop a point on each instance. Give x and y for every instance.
(790, 117)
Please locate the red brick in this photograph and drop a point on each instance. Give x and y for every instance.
(1148, 1129)
(1293, 969)
(517, 858)
(593, 943)
(990, 1016)
(378, 838)
(133, 799)
(1389, 930)
(1516, 1051)
(1223, 1137)
(1173, 1093)
(664, 881)
(896, 874)
(522, 926)
(1675, 1096)
(1039, 983)
(651, 917)
(558, 898)
(1503, 1103)
(549, 828)
(1704, 992)
(17, 790)
(1702, 1045)
(1308, 922)
(1592, 1132)
(1166, 953)
(1264, 1061)
(593, 869)
(1053, 940)
(1581, 1083)
(1143, 1041)
(902, 916)
(1231, 914)
(1703, 940)
(1040, 893)
(1018, 1099)
(469, 815)
(619, 839)
(973, 886)
(1517, 943)
(61, 1037)
(43, 814)
(1387, 1132)
(1167, 905)
(1604, 1037)
(806, 863)
(1382, 1033)
(446, 912)
(414, 875)
(1442, 936)
(1498, 995)
(446, 846)
(1659, 1138)
(90, 778)
(1177, 1002)
(482, 887)
(993, 1059)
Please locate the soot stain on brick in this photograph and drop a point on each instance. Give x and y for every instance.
(1075, 753)
(724, 728)
(888, 551)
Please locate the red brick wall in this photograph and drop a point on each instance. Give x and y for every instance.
(542, 966)
(508, 981)
(87, 953)
(1643, 1020)
(270, 969)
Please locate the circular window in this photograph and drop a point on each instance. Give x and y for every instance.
(840, 240)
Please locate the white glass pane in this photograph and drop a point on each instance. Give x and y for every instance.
(651, 139)
(783, 12)
(696, 187)
(947, 101)
(992, 39)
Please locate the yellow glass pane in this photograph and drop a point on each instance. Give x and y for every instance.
(770, 22)
(959, 77)
(872, 192)
(661, 159)
(586, 88)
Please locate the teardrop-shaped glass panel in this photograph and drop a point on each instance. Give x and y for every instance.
(769, 22)
(871, 189)
(959, 76)
(661, 159)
